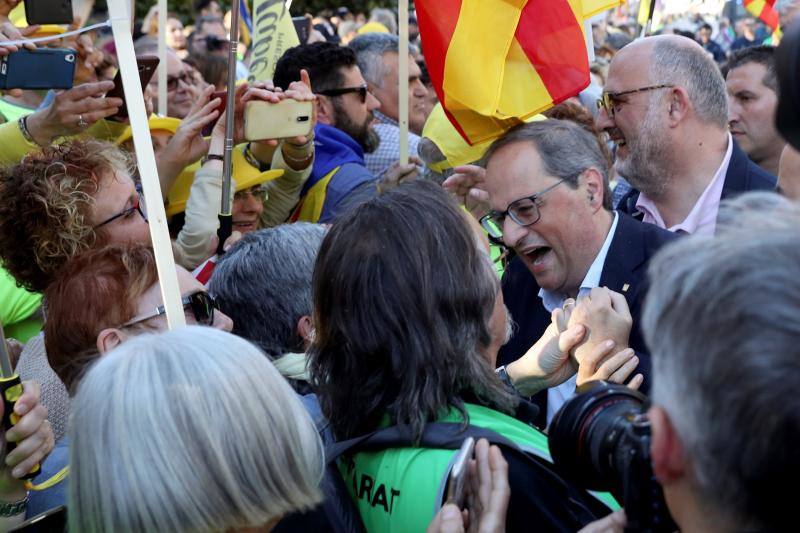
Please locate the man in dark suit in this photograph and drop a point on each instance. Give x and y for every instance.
(547, 186)
(665, 105)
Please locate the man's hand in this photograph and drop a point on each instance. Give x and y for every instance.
(397, 174)
(34, 438)
(547, 364)
(238, 118)
(188, 144)
(63, 116)
(600, 364)
(487, 497)
(467, 185)
(613, 523)
(606, 316)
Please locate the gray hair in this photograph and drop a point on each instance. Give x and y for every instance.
(385, 17)
(565, 148)
(264, 284)
(369, 49)
(189, 430)
(721, 320)
(690, 67)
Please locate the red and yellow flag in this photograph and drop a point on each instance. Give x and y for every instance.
(765, 10)
(496, 62)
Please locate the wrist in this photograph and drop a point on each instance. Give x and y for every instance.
(36, 129)
(524, 380)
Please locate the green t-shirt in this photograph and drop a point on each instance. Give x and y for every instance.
(18, 309)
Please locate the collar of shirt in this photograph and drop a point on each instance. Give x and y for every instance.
(702, 219)
(383, 119)
(552, 300)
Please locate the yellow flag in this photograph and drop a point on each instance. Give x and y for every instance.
(644, 12)
(273, 34)
(593, 7)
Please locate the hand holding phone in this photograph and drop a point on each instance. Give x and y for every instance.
(42, 68)
(458, 481)
(147, 67)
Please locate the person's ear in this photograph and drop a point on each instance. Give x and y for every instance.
(594, 187)
(324, 110)
(679, 105)
(305, 329)
(108, 339)
(666, 448)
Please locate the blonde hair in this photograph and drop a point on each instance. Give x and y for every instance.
(189, 430)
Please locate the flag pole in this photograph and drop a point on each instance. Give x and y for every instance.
(651, 10)
(162, 56)
(225, 215)
(402, 76)
(157, 217)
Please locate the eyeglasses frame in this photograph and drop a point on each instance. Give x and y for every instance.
(135, 207)
(535, 198)
(187, 302)
(362, 90)
(605, 100)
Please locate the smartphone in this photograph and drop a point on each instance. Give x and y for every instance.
(302, 25)
(52, 521)
(43, 68)
(223, 101)
(48, 12)
(287, 118)
(147, 67)
(459, 474)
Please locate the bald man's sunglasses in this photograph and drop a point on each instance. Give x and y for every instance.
(609, 101)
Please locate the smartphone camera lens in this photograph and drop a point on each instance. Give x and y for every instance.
(70, 58)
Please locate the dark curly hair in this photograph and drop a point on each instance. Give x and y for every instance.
(45, 204)
(323, 61)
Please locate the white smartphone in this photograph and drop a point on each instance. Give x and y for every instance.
(459, 474)
(287, 118)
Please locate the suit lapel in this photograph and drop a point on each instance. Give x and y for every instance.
(625, 256)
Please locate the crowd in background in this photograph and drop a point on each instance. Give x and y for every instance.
(642, 232)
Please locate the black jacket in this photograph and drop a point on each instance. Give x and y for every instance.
(633, 245)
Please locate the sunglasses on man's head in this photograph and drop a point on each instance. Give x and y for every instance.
(201, 304)
(361, 90)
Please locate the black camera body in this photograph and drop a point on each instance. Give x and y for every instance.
(600, 439)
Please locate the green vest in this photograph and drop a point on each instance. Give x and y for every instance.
(400, 489)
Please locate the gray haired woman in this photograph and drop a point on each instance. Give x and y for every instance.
(189, 430)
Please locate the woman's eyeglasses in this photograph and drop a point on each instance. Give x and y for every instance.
(259, 192)
(201, 304)
(361, 90)
(172, 81)
(138, 206)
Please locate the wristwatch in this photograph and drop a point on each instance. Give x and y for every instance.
(14, 508)
(505, 378)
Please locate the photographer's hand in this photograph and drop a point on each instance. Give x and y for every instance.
(600, 364)
(606, 316)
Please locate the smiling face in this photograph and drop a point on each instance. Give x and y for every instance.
(248, 206)
(388, 91)
(638, 123)
(560, 247)
(751, 112)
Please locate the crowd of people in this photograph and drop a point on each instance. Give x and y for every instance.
(368, 314)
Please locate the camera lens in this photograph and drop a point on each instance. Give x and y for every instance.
(583, 435)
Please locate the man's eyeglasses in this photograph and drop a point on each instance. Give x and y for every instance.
(609, 101)
(201, 304)
(259, 192)
(138, 206)
(524, 212)
(361, 90)
(172, 81)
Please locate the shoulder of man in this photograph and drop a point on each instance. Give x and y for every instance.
(743, 175)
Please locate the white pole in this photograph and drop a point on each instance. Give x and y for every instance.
(162, 56)
(587, 29)
(402, 76)
(159, 233)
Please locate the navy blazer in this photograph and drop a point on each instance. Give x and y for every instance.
(743, 175)
(633, 244)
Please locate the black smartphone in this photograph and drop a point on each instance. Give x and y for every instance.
(43, 68)
(48, 12)
(223, 97)
(302, 25)
(52, 521)
(147, 67)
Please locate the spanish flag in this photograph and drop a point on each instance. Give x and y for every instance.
(496, 62)
(765, 10)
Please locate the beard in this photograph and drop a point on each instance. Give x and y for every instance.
(647, 165)
(363, 134)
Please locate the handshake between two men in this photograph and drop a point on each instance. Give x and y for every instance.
(588, 339)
